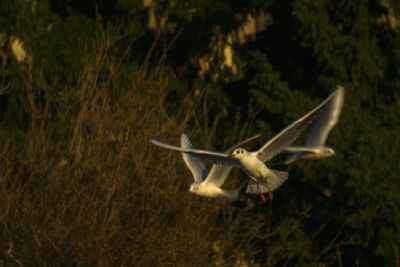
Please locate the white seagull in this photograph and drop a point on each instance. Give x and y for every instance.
(314, 147)
(209, 184)
(253, 162)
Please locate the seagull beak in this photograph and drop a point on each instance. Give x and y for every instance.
(231, 155)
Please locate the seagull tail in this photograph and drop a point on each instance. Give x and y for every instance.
(253, 188)
(281, 176)
(230, 195)
(273, 183)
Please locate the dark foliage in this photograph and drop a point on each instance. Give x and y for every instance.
(81, 185)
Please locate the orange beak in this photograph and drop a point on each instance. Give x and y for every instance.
(231, 155)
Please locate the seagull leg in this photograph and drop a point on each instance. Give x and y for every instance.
(271, 196)
(269, 192)
(261, 194)
(262, 197)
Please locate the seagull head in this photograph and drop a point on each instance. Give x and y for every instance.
(328, 152)
(193, 188)
(238, 153)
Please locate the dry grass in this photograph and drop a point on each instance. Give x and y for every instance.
(89, 189)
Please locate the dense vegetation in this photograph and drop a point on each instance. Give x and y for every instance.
(81, 185)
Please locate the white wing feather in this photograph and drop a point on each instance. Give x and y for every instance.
(326, 120)
(214, 157)
(287, 136)
(194, 164)
(293, 149)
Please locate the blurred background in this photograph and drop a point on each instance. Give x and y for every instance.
(85, 84)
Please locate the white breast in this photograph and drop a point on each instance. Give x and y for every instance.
(254, 167)
(208, 190)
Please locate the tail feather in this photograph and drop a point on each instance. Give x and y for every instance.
(229, 195)
(282, 176)
(273, 183)
(253, 188)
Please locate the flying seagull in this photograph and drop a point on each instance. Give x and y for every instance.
(209, 184)
(314, 147)
(253, 162)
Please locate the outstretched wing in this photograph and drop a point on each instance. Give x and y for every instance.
(292, 158)
(214, 157)
(326, 120)
(287, 136)
(293, 149)
(194, 164)
(219, 173)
